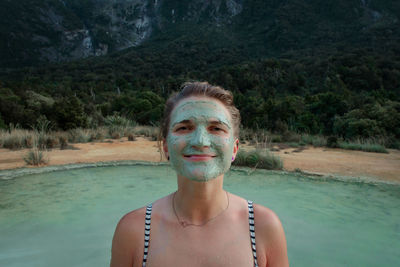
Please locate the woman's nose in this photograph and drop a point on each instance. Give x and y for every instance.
(200, 138)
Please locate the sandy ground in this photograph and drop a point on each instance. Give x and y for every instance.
(312, 160)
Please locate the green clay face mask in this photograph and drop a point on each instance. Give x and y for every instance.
(200, 139)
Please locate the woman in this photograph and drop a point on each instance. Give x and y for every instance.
(200, 224)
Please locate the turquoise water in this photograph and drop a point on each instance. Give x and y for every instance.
(67, 218)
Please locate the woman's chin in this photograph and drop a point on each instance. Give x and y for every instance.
(200, 171)
(201, 176)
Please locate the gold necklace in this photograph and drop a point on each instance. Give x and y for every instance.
(185, 224)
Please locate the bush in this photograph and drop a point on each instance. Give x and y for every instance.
(392, 142)
(294, 144)
(276, 138)
(332, 142)
(16, 138)
(51, 141)
(118, 125)
(258, 159)
(43, 125)
(36, 157)
(63, 142)
(29, 141)
(79, 135)
(306, 139)
(319, 141)
(41, 140)
(115, 135)
(291, 137)
(363, 146)
(2, 124)
(131, 137)
(12, 142)
(69, 113)
(147, 131)
(354, 125)
(315, 140)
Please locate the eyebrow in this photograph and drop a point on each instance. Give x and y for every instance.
(179, 122)
(210, 122)
(219, 122)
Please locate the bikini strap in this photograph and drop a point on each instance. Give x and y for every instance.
(252, 231)
(147, 234)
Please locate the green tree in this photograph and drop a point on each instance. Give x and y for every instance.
(2, 124)
(69, 113)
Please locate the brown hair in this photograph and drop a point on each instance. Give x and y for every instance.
(189, 89)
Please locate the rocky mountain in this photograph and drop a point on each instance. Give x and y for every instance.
(36, 31)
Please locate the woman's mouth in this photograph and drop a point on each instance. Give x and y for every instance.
(199, 157)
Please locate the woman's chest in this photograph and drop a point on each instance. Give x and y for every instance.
(226, 245)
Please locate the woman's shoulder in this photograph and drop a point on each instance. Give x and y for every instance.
(136, 219)
(132, 219)
(128, 238)
(270, 235)
(130, 227)
(266, 217)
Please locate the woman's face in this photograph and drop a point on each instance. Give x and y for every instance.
(200, 140)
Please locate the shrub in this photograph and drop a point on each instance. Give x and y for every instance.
(70, 113)
(100, 136)
(294, 144)
(43, 125)
(51, 141)
(319, 141)
(92, 137)
(394, 145)
(115, 135)
(131, 137)
(306, 139)
(332, 142)
(36, 157)
(276, 138)
(29, 141)
(258, 159)
(315, 140)
(63, 142)
(96, 134)
(79, 135)
(392, 142)
(12, 142)
(17, 139)
(118, 125)
(291, 137)
(363, 146)
(147, 131)
(116, 120)
(41, 140)
(2, 124)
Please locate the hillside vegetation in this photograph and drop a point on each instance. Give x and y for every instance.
(312, 67)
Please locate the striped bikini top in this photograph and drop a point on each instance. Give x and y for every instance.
(147, 232)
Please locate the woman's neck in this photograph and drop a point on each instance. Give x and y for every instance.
(199, 202)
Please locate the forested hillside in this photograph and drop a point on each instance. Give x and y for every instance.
(318, 67)
(37, 31)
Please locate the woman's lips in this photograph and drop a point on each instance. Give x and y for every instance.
(201, 157)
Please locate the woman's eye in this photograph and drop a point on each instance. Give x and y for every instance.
(217, 129)
(182, 128)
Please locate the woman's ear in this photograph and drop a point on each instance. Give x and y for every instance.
(235, 149)
(165, 148)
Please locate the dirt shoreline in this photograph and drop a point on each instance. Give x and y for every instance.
(322, 161)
